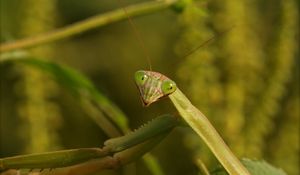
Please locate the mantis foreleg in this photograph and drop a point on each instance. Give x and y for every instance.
(116, 152)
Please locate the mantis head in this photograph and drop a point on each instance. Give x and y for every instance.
(153, 86)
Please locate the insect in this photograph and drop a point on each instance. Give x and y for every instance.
(153, 86)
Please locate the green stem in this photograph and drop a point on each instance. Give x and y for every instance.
(52, 159)
(90, 23)
(208, 133)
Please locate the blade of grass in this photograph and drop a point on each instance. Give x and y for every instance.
(88, 24)
(82, 87)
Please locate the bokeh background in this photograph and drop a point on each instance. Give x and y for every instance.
(246, 80)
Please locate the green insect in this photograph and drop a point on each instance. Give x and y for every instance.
(153, 86)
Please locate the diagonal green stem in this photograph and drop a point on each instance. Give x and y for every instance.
(52, 159)
(208, 133)
(90, 23)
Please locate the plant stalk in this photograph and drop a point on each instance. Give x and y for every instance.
(88, 24)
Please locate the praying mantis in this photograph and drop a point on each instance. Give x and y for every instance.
(152, 86)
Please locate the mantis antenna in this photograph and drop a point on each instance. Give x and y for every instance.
(208, 41)
(144, 48)
(138, 36)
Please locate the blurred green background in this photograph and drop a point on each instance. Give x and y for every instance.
(246, 80)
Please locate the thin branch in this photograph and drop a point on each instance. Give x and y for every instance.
(88, 24)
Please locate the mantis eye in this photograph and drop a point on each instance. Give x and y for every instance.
(140, 77)
(168, 87)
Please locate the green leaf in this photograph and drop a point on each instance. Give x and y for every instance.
(255, 167)
(91, 98)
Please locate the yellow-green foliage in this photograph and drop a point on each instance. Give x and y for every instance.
(40, 116)
(240, 80)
